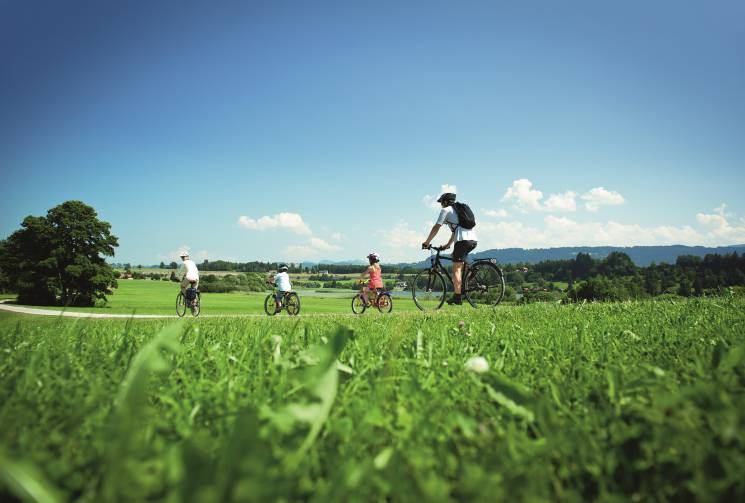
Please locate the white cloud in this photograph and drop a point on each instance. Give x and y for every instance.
(495, 213)
(562, 202)
(525, 198)
(431, 201)
(310, 249)
(597, 197)
(718, 225)
(297, 253)
(290, 221)
(562, 231)
(337, 236)
(320, 244)
(401, 242)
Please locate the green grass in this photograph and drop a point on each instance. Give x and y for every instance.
(640, 401)
(159, 297)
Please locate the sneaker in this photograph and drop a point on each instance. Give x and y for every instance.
(455, 300)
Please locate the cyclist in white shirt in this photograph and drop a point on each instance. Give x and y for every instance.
(465, 241)
(282, 280)
(189, 272)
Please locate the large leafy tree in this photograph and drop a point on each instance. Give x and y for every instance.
(59, 259)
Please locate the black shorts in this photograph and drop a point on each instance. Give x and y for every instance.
(462, 249)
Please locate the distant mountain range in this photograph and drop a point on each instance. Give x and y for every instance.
(641, 255)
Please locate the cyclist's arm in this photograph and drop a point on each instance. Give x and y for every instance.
(366, 271)
(432, 234)
(450, 241)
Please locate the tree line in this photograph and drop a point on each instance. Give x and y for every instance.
(616, 277)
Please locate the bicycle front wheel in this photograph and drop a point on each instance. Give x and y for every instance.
(385, 303)
(484, 284)
(180, 305)
(428, 290)
(269, 306)
(292, 303)
(358, 304)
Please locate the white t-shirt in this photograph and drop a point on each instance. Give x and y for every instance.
(282, 280)
(450, 217)
(192, 273)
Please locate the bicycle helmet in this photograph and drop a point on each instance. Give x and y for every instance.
(448, 198)
(183, 254)
(373, 257)
(282, 268)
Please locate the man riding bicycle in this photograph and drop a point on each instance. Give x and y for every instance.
(464, 238)
(282, 281)
(189, 271)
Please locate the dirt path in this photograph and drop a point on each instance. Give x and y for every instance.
(70, 314)
(75, 314)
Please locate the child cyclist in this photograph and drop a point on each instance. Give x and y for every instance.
(282, 280)
(376, 277)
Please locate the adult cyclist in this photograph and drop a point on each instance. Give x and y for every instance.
(465, 241)
(189, 272)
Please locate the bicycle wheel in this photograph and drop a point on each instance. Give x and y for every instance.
(385, 303)
(269, 306)
(358, 304)
(180, 304)
(196, 307)
(292, 303)
(428, 290)
(484, 284)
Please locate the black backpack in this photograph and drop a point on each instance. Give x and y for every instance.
(465, 215)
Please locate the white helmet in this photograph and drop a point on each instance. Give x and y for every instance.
(374, 257)
(183, 254)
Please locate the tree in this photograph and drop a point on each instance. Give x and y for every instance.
(59, 259)
(616, 264)
(582, 266)
(161, 266)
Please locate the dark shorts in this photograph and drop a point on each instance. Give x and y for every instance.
(462, 249)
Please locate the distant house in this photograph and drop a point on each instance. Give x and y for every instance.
(323, 272)
(401, 284)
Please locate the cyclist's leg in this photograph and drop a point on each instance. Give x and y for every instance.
(366, 295)
(460, 252)
(184, 286)
(278, 299)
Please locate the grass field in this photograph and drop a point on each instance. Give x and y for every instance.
(159, 297)
(641, 401)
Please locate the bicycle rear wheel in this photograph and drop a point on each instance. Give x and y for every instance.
(292, 303)
(385, 303)
(180, 305)
(269, 306)
(196, 307)
(358, 304)
(428, 290)
(484, 284)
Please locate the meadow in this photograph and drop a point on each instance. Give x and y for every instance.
(159, 297)
(612, 402)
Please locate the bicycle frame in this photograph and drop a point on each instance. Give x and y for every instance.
(437, 264)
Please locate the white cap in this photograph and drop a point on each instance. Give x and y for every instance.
(183, 253)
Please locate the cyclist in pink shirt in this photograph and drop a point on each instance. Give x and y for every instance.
(376, 277)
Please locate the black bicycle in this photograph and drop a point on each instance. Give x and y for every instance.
(483, 283)
(192, 300)
(290, 302)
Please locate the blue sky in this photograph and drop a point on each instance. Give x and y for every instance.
(320, 130)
